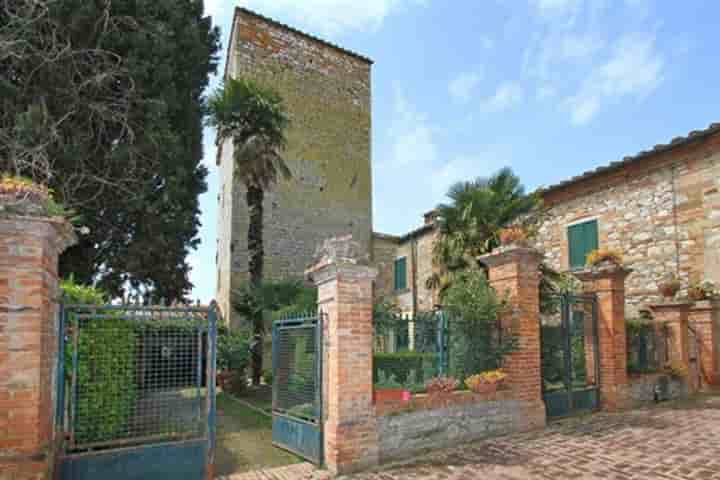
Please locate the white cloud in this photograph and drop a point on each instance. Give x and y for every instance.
(634, 68)
(506, 96)
(462, 87)
(332, 17)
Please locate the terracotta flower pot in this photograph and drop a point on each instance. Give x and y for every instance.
(486, 388)
(390, 395)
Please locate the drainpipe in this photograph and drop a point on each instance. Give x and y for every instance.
(413, 272)
(673, 170)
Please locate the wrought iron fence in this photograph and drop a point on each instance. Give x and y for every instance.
(410, 350)
(135, 375)
(647, 346)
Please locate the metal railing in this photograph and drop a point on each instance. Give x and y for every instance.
(133, 375)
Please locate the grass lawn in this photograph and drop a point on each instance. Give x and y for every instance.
(244, 440)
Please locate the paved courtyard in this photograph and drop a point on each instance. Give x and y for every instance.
(675, 441)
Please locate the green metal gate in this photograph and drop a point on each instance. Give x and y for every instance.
(136, 392)
(297, 386)
(570, 355)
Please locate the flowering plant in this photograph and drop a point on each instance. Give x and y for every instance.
(702, 291)
(438, 385)
(604, 255)
(480, 382)
(516, 235)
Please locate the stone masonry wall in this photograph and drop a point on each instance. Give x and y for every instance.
(327, 94)
(417, 249)
(404, 435)
(635, 214)
(642, 388)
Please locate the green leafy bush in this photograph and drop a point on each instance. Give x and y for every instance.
(106, 351)
(403, 367)
(476, 341)
(106, 391)
(232, 349)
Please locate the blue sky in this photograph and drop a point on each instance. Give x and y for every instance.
(550, 88)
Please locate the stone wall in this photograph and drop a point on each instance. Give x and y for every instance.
(402, 435)
(327, 93)
(384, 253)
(660, 213)
(417, 248)
(641, 388)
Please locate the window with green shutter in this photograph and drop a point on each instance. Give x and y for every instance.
(401, 274)
(582, 239)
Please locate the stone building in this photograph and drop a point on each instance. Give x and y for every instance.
(659, 208)
(326, 90)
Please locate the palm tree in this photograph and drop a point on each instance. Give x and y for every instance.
(254, 118)
(469, 225)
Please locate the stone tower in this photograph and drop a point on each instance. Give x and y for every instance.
(326, 90)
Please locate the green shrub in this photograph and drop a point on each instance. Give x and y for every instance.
(476, 342)
(403, 367)
(232, 349)
(106, 391)
(106, 351)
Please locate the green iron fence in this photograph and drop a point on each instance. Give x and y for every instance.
(410, 350)
(647, 350)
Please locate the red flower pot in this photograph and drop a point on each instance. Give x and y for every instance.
(391, 395)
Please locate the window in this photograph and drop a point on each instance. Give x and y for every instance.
(401, 273)
(582, 239)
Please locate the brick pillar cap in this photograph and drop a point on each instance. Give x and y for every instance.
(339, 256)
(65, 233)
(677, 305)
(503, 255)
(603, 271)
(706, 305)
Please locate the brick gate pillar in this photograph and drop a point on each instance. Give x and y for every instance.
(345, 296)
(515, 271)
(705, 319)
(608, 283)
(29, 250)
(676, 317)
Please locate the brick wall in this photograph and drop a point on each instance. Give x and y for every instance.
(327, 94)
(29, 249)
(634, 207)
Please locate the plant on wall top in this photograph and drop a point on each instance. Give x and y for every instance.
(604, 255)
(254, 118)
(670, 286)
(698, 291)
(20, 195)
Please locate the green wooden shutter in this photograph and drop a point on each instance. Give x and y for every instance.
(582, 239)
(401, 274)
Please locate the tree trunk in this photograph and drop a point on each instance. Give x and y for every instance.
(256, 256)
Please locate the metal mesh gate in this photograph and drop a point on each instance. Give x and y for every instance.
(134, 385)
(297, 388)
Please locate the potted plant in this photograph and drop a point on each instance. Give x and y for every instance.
(441, 385)
(387, 389)
(604, 256)
(486, 382)
(669, 287)
(701, 291)
(514, 235)
(676, 369)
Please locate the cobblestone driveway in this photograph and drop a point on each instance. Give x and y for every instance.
(670, 442)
